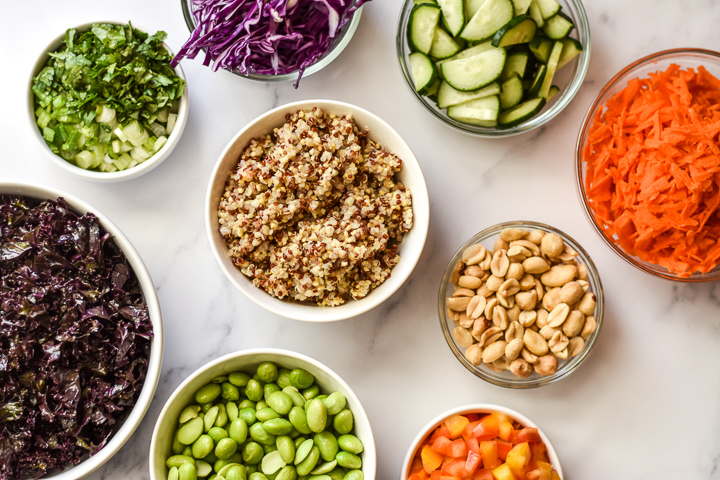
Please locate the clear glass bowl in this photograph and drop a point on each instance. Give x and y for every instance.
(506, 379)
(341, 41)
(569, 78)
(660, 61)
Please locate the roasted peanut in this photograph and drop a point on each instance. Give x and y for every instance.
(528, 356)
(546, 365)
(552, 245)
(559, 275)
(587, 304)
(516, 271)
(473, 254)
(542, 318)
(494, 351)
(476, 307)
(473, 353)
(474, 271)
(535, 265)
(535, 342)
(526, 300)
(490, 335)
(513, 313)
(467, 281)
(513, 348)
(514, 331)
(452, 314)
(459, 304)
(499, 244)
(536, 236)
(463, 292)
(575, 346)
(509, 287)
(500, 263)
(489, 306)
(505, 300)
(463, 337)
(574, 324)
(500, 318)
(558, 342)
(457, 270)
(478, 327)
(527, 282)
(558, 315)
(465, 321)
(520, 368)
(493, 282)
(589, 327)
(571, 293)
(527, 318)
(551, 299)
(547, 332)
(518, 253)
(512, 234)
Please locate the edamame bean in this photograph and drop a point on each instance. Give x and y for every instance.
(190, 432)
(252, 453)
(319, 477)
(222, 417)
(203, 468)
(246, 404)
(236, 472)
(310, 392)
(173, 474)
(354, 475)
(224, 471)
(324, 468)
(217, 434)
(298, 418)
(232, 410)
(277, 426)
(286, 473)
(187, 471)
(220, 379)
(177, 447)
(335, 402)
(225, 448)
(211, 458)
(295, 396)
(280, 402)
(317, 415)
(283, 379)
(337, 473)
(229, 392)
(328, 445)
(303, 450)
(205, 407)
(286, 447)
(260, 405)
(211, 417)
(309, 463)
(270, 388)
(348, 460)
(220, 464)
(188, 413)
(343, 422)
(257, 476)
(266, 414)
(208, 393)
(258, 433)
(239, 379)
(300, 378)
(187, 451)
(269, 448)
(253, 390)
(247, 414)
(267, 372)
(350, 443)
(238, 430)
(202, 447)
(177, 460)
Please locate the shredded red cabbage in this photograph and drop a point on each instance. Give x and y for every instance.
(267, 37)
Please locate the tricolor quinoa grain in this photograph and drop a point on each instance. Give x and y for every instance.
(313, 213)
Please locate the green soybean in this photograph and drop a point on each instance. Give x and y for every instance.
(265, 414)
(187, 451)
(287, 473)
(222, 417)
(270, 388)
(210, 457)
(253, 390)
(239, 379)
(299, 440)
(252, 453)
(202, 447)
(317, 415)
(337, 473)
(188, 413)
(277, 426)
(229, 392)
(309, 463)
(300, 378)
(220, 379)
(283, 379)
(298, 418)
(319, 477)
(205, 407)
(208, 393)
(246, 404)
(217, 434)
(190, 432)
(247, 414)
(324, 468)
(177, 460)
(238, 430)
(350, 443)
(303, 450)
(261, 404)
(258, 433)
(220, 464)
(224, 470)
(280, 402)
(267, 372)
(232, 410)
(210, 417)
(335, 402)
(257, 476)
(203, 468)
(225, 448)
(286, 447)
(310, 392)
(295, 396)
(354, 475)
(177, 446)
(269, 448)
(328, 445)
(173, 474)
(236, 472)
(187, 471)
(343, 422)
(348, 460)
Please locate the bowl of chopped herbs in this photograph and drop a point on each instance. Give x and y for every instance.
(105, 103)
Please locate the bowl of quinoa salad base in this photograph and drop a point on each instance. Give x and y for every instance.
(410, 176)
(127, 425)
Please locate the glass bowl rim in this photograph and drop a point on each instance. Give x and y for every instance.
(567, 94)
(570, 364)
(646, 267)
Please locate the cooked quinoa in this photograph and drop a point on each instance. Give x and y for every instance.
(313, 212)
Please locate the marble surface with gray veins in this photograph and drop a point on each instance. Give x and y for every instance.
(645, 404)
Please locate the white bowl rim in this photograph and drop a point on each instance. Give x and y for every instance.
(314, 313)
(132, 421)
(478, 408)
(369, 461)
(119, 176)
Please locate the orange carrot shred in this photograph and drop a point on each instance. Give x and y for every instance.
(652, 162)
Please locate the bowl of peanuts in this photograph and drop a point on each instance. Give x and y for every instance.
(521, 304)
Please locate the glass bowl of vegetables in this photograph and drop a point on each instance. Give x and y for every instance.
(92, 111)
(82, 334)
(481, 441)
(521, 304)
(268, 410)
(651, 191)
(495, 68)
(285, 44)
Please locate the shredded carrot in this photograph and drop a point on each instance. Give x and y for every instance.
(653, 169)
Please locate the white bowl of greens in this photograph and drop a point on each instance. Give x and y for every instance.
(102, 110)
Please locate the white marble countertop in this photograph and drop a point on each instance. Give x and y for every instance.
(643, 405)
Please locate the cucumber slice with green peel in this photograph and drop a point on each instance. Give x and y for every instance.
(471, 8)
(558, 27)
(423, 20)
(520, 113)
(548, 8)
(521, 6)
(571, 49)
(482, 111)
(420, 2)
(469, 52)
(443, 45)
(422, 70)
(552, 66)
(448, 96)
(511, 92)
(537, 81)
(540, 48)
(515, 64)
(473, 73)
(432, 89)
(520, 29)
(453, 15)
(553, 91)
(535, 14)
(492, 15)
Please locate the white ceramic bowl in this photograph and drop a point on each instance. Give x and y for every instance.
(410, 248)
(477, 408)
(246, 360)
(131, 422)
(180, 107)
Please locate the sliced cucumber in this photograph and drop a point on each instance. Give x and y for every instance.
(553, 91)
(520, 29)
(432, 89)
(515, 64)
(420, 2)
(482, 111)
(469, 52)
(443, 45)
(571, 49)
(471, 7)
(548, 8)
(520, 113)
(536, 14)
(558, 27)
(448, 96)
(473, 73)
(511, 92)
(492, 15)
(422, 70)
(453, 15)
(540, 48)
(537, 81)
(521, 6)
(423, 20)
(552, 66)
